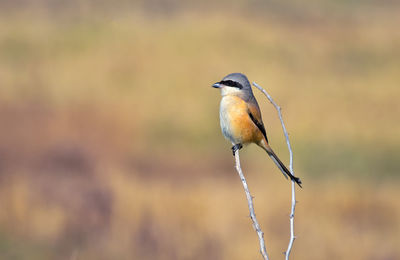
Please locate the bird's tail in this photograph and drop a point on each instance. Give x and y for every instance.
(279, 163)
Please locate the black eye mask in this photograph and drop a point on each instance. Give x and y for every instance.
(231, 83)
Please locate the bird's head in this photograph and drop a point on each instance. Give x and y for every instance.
(234, 84)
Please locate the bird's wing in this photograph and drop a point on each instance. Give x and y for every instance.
(255, 116)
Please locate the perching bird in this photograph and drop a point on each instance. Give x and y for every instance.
(240, 118)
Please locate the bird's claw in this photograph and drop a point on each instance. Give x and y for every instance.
(236, 147)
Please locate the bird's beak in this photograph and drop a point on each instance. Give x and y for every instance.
(216, 85)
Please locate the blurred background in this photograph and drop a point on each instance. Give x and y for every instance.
(110, 146)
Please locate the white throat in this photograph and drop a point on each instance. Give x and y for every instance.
(225, 91)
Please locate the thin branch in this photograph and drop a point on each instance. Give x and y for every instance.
(278, 108)
(256, 226)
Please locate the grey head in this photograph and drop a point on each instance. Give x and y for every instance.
(235, 84)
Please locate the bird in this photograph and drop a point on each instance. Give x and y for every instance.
(240, 118)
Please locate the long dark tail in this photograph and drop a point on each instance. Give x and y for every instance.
(280, 165)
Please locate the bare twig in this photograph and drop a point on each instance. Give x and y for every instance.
(278, 108)
(251, 208)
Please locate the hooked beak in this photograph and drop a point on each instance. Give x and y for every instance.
(216, 85)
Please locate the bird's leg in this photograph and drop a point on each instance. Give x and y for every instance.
(236, 147)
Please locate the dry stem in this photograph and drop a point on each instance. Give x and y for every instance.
(256, 226)
(292, 236)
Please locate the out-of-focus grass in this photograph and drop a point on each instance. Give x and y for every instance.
(110, 145)
(159, 219)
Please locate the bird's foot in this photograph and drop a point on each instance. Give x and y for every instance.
(236, 147)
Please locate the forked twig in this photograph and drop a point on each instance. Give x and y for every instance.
(278, 108)
(256, 226)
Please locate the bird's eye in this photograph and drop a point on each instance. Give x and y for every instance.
(231, 83)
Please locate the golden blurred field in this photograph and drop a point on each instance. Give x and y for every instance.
(110, 146)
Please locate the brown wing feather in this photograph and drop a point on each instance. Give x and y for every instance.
(255, 115)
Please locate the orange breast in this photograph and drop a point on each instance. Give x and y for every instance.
(242, 127)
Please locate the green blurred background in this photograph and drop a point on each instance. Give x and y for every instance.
(110, 146)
